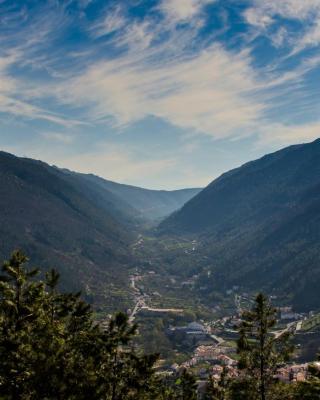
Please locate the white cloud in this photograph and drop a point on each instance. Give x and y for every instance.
(60, 137)
(310, 39)
(280, 37)
(18, 49)
(157, 66)
(182, 10)
(118, 163)
(137, 36)
(112, 161)
(11, 90)
(289, 9)
(7, 82)
(110, 23)
(211, 92)
(263, 14)
(256, 17)
(277, 134)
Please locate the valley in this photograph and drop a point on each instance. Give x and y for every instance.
(164, 301)
(165, 305)
(170, 259)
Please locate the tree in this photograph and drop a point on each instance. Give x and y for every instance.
(186, 386)
(218, 390)
(51, 347)
(20, 314)
(167, 391)
(260, 352)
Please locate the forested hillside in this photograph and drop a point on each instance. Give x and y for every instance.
(59, 224)
(79, 223)
(258, 225)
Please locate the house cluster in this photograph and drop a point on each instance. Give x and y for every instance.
(217, 370)
(217, 358)
(209, 360)
(212, 355)
(293, 373)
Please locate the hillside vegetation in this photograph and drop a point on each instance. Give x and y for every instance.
(258, 225)
(81, 223)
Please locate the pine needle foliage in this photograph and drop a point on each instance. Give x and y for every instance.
(51, 347)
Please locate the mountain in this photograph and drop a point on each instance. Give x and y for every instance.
(150, 205)
(80, 224)
(258, 225)
(57, 223)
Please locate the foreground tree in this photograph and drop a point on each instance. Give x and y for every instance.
(186, 386)
(260, 352)
(218, 390)
(51, 348)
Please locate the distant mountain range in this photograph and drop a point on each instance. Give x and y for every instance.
(259, 225)
(81, 224)
(144, 204)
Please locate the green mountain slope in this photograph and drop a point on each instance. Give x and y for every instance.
(80, 224)
(57, 223)
(259, 225)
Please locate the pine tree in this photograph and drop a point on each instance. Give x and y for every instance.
(260, 352)
(51, 347)
(186, 386)
(20, 315)
(218, 390)
(167, 388)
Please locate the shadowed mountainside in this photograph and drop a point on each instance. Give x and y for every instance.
(73, 222)
(259, 224)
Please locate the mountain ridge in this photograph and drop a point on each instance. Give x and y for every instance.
(258, 224)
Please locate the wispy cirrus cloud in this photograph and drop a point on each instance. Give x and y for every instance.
(108, 66)
(266, 13)
(208, 93)
(112, 20)
(211, 90)
(162, 70)
(119, 163)
(116, 162)
(12, 99)
(266, 10)
(178, 11)
(277, 134)
(24, 47)
(59, 137)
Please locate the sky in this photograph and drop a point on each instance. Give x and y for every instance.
(162, 94)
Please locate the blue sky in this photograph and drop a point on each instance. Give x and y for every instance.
(158, 93)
